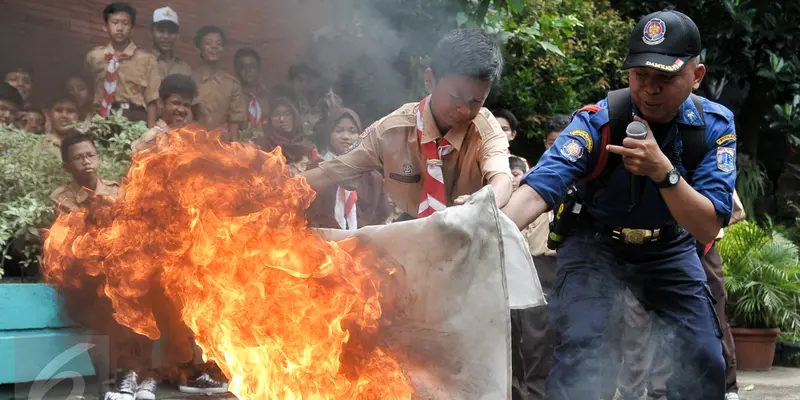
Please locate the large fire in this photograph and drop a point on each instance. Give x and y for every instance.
(220, 228)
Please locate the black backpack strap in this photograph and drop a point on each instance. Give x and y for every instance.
(620, 114)
(694, 140)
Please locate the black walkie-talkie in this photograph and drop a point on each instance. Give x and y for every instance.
(566, 216)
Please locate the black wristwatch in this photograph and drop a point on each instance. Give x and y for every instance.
(671, 179)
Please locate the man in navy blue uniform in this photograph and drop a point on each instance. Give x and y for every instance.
(646, 244)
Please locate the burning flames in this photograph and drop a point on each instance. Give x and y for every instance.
(220, 229)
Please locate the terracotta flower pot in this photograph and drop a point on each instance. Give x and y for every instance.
(755, 348)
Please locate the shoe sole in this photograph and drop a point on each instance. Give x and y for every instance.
(191, 390)
(145, 396)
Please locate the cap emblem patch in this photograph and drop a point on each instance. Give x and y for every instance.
(654, 31)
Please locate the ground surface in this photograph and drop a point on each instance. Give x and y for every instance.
(777, 384)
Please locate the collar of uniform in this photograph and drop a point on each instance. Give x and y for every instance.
(161, 124)
(688, 115)
(128, 52)
(205, 72)
(430, 131)
(82, 193)
(259, 90)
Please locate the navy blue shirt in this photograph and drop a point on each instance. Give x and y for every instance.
(575, 153)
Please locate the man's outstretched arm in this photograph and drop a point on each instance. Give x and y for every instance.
(525, 206)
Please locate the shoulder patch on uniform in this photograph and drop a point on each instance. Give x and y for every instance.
(368, 131)
(727, 138)
(726, 159)
(572, 150)
(585, 136)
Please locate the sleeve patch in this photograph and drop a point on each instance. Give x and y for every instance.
(727, 138)
(726, 159)
(586, 138)
(369, 130)
(572, 150)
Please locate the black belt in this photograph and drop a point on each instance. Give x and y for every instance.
(639, 236)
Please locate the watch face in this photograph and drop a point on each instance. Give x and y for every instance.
(674, 177)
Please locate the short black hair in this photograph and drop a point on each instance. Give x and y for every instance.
(468, 52)
(508, 116)
(18, 67)
(34, 110)
(61, 97)
(302, 69)
(246, 52)
(205, 31)
(10, 94)
(119, 7)
(180, 84)
(557, 123)
(515, 162)
(74, 137)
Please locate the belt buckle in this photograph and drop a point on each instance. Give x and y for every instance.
(636, 236)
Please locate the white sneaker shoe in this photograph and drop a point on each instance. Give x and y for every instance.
(126, 387)
(732, 396)
(146, 390)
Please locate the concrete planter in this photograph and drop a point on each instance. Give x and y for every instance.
(36, 341)
(755, 348)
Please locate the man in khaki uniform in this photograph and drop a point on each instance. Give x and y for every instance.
(220, 98)
(125, 77)
(247, 63)
(472, 148)
(80, 158)
(176, 96)
(165, 31)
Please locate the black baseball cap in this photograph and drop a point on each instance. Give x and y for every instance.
(664, 40)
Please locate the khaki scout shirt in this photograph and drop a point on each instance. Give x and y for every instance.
(71, 197)
(220, 98)
(738, 214)
(537, 233)
(174, 65)
(138, 80)
(149, 138)
(481, 152)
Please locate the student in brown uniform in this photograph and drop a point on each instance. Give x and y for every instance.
(220, 99)
(33, 121)
(19, 77)
(77, 88)
(166, 31)
(339, 208)
(125, 77)
(10, 103)
(457, 143)
(62, 114)
(176, 96)
(535, 336)
(247, 63)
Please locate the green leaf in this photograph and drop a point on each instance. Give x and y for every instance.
(461, 18)
(516, 5)
(551, 48)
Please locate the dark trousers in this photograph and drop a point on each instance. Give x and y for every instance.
(533, 340)
(712, 265)
(668, 279)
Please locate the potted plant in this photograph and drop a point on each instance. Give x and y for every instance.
(762, 279)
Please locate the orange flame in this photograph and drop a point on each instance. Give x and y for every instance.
(220, 228)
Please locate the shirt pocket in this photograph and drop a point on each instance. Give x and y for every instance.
(402, 188)
(135, 81)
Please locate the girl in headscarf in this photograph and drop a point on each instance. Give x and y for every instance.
(339, 208)
(284, 128)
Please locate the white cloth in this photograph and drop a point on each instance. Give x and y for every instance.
(346, 215)
(464, 268)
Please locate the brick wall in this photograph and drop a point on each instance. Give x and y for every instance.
(53, 36)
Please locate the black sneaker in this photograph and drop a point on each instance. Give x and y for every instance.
(205, 385)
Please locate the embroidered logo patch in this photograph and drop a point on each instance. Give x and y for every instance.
(586, 138)
(572, 150)
(407, 169)
(726, 159)
(690, 116)
(654, 31)
(727, 138)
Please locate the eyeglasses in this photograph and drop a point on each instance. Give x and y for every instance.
(82, 157)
